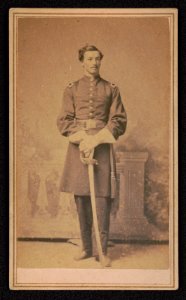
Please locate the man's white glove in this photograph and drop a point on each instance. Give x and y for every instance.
(77, 137)
(92, 141)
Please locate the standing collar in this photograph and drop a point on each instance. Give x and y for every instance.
(89, 79)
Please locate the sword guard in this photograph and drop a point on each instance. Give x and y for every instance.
(88, 160)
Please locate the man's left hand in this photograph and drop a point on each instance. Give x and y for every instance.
(87, 145)
(89, 142)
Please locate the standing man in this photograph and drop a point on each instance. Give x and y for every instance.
(92, 117)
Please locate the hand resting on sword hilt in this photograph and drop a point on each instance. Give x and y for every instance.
(89, 142)
(88, 160)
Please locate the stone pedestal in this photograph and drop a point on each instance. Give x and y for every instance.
(130, 222)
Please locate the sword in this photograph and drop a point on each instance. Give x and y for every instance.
(91, 162)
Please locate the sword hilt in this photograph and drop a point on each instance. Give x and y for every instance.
(88, 160)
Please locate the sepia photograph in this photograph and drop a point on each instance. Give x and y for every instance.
(93, 149)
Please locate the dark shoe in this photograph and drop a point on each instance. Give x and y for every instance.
(106, 261)
(83, 255)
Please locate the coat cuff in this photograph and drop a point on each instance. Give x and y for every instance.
(105, 136)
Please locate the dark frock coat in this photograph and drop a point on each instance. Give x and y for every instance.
(83, 100)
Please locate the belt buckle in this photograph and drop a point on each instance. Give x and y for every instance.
(90, 124)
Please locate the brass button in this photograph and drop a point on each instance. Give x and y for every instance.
(91, 95)
(90, 114)
(90, 101)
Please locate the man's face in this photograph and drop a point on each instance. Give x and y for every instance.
(91, 62)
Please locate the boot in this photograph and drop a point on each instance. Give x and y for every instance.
(82, 255)
(106, 260)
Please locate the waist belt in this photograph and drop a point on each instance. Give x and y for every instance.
(90, 123)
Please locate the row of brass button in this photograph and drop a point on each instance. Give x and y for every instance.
(91, 108)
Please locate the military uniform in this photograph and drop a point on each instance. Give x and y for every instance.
(90, 105)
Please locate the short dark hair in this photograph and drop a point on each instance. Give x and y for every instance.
(88, 48)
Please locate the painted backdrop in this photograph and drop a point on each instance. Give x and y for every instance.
(137, 59)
